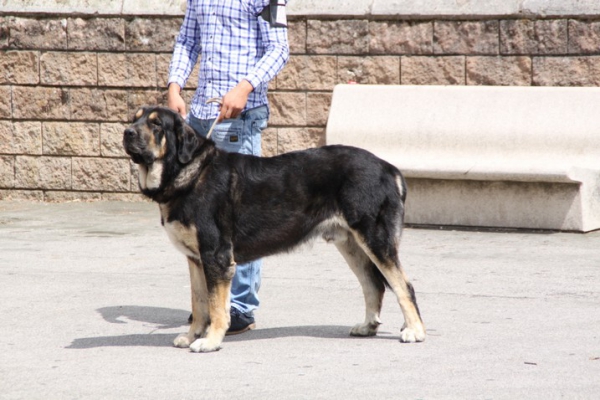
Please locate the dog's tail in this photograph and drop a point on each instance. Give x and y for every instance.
(377, 277)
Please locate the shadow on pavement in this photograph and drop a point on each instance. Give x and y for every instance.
(167, 318)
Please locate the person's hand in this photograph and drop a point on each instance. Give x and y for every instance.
(174, 100)
(235, 100)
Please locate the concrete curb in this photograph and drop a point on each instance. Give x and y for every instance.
(409, 9)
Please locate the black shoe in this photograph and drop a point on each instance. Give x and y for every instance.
(240, 322)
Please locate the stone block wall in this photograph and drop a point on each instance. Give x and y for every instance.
(69, 84)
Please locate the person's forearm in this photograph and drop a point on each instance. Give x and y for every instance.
(173, 88)
(235, 100)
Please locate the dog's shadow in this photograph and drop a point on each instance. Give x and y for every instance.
(168, 318)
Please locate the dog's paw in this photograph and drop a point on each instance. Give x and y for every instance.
(205, 346)
(364, 329)
(182, 341)
(412, 335)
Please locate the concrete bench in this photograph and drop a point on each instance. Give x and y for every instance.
(514, 157)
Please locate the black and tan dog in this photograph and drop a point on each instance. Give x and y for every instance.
(222, 208)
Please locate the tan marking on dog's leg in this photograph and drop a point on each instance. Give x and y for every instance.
(200, 313)
(219, 307)
(413, 329)
(359, 262)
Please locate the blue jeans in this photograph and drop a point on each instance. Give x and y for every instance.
(239, 135)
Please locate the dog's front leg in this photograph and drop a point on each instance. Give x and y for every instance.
(200, 313)
(219, 288)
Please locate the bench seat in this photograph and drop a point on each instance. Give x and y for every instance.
(511, 157)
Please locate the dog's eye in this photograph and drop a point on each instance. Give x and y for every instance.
(155, 122)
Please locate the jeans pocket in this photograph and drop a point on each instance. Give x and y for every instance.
(258, 126)
(228, 135)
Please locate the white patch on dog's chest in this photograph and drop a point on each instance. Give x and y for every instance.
(150, 176)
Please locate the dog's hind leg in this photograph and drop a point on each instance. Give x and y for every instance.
(371, 282)
(200, 310)
(389, 265)
(413, 329)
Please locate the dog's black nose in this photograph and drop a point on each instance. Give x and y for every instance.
(129, 132)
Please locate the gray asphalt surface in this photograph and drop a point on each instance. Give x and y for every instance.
(93, 294)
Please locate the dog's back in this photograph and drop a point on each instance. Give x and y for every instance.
(297, 195)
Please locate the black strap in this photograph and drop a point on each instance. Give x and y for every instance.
(269, 14)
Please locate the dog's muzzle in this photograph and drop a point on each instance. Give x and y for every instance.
(136, 147)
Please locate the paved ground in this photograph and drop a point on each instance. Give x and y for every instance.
(92, 296)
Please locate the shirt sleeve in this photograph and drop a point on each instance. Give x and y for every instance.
(187, 48)
(276, 50)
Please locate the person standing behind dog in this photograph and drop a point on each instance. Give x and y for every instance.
(242, 45)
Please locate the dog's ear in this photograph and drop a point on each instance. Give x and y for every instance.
(187, 141)
(138, 114)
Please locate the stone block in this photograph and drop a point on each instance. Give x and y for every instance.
(162, 66)
(63, 197)
(96, 34)
(292, 139)
(377, 70)
(134, 173)
(566, 71)
(152, 34)
(99, 105)
(584, 37)
(37, 33)
(400, 37)
(139, 98)
(7, 171)
(466, 37)
(421, 70)
(527, 37)
(123, 69)
(317, 108)
(308, 73)
(5, 102)
(25, 195)
(71, 138)
(287, 108)
(4, 32)
(518, 37)
(20, 137)
(337, 37)
(19, 67)
(297, 37)
(111, 140)
(551, 36)
(69, 68)
(101, 174)
(130, 197)
(162, 69)
(499, 71)
(43, 172)
(40, 102)
(269, 142)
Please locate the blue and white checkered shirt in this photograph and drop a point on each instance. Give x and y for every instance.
(235, 44)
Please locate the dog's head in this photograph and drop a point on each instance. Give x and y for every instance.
(157, 132)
